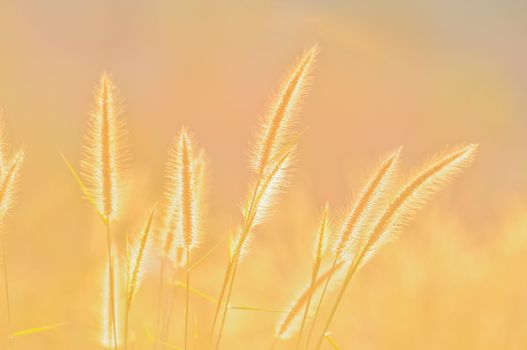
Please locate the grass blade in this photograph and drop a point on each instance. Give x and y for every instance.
(35, 330)
(83, 187)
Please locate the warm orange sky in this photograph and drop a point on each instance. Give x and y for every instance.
(422, 74)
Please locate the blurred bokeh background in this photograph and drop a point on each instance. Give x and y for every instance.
(422, 74)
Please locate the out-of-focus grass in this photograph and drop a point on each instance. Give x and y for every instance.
(423, 76)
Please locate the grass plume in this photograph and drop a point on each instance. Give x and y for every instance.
(255, 212)
(3, 145)
(104, 151)
(410, 199)
(182, 212)
(175, 231)
(104, 155)
(9, 173)
(414, 195)
(8, 183)
(270, 165)
(259, 206)
(276, 127)
(369, 199)
(321, 238)
(357, 219)
(136, 259)
(183, 198)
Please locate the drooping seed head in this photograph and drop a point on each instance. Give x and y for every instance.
(275, 131)
(414, 195)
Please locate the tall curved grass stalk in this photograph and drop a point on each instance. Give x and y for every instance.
(183, 207)
(6, 289)
(196, 331)
(275, 139)
(260, 204)
(9, 174)
(104, 155)
(358, 218)
(137, 256)
(291, 323)
(110, 308)
(406, 203)
(320, 247)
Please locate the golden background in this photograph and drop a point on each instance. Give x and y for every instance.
(422, 74)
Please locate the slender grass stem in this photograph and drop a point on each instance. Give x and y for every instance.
(220, 300)
(314, 276)
(274, 344)
(111, 280)
(320, 301)
(349, 275)
(168, 319)
(196, 331)
(126, 317)
(227, 300)
(126, 314)
(160, 300)
(230, 274)
(249, 218)
(6, 289)
(187, 296)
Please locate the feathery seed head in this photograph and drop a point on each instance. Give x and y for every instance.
(271, 156)
(263, 196)
(414, 195)
(104, 151)
(184, 193)
(321, 238)
(276, 126)
(138, 253)
(3, 145)
(371, 197)
(8, 181)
